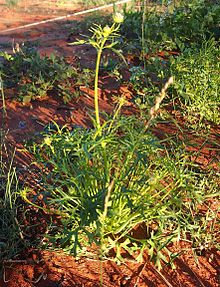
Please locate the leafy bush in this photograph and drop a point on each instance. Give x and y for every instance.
(197, 82)
(35, 76)
(108, 186)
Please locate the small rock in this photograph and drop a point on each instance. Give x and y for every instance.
(22, 125)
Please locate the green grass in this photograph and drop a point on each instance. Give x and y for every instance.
(11, 238)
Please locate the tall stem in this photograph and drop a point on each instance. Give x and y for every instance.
(3, 98)
(143, 41)
(96, 96)
(2, 127)
(96, 83)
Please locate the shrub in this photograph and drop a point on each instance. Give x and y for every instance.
(116, 179)
(105, 187)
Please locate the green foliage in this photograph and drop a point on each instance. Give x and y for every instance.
(174, 27)
(187, 28)
(197, 82)
(146, 81)
(196, 85)
(11, 239)
(12, 3)
(110, 184)
(34, 76)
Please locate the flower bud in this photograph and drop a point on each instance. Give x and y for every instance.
(106, 31)
(118, 18)
(48, 141)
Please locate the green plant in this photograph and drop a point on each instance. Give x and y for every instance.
(171, 28)
(35, 76)
(12, 3)
(121, 190)
(102, 39)
(11, 237)
(138, 186)
(197, 83)
(117, 187)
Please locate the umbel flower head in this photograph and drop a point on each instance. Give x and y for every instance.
(118, 18)
(107, 31)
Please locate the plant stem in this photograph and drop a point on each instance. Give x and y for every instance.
(143, 34)
(2, 127)
(96, 96)
(107, 197)
(3, 98)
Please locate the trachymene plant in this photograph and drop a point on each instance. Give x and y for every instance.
(116, 187)
(102, 39)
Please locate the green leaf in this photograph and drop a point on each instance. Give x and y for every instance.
(26, 99)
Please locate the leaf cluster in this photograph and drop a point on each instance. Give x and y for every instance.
(34, 76)
(111, 184)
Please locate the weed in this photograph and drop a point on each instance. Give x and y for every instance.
(197, 83)
(106, 196)
(173, 28)
(12, 3)
(108, 182)
(35, 76)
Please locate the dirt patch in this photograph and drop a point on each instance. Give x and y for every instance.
(47, 269)
(27, 12)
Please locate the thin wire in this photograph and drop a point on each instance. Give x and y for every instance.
(66, 16)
